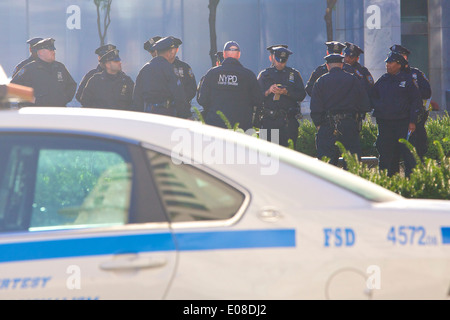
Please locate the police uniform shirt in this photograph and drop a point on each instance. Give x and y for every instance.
(52, 83)
(316, 74)
(291, 79)
(22, 64)
(108, 91)
(157, 83)
(320, 71)
(337, 92)
(231, 89)
(396, 97)
(185, 74)
(84, 81)
(422, 82)
(362, 73)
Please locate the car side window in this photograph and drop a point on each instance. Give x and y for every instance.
(190, 194)
(51, 183)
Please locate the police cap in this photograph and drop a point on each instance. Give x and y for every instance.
(281, 54)
(396, 57)
(148, 45)
(335, 46)
(48, 43)
(352, 50)
(270, 48)
(33, 41)
(334, 58)
(400, 49)
(166, 43)
(112, 55)
(228, 46)
(100, 51)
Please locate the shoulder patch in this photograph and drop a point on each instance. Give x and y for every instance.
(370, 79)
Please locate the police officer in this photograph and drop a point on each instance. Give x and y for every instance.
(111, 88)
(283, 89)
(100, 51)
(181, 68)
(31, 42)
(230, 88)
(52, 83)
(157, 88)
(419, 139)
(185, 74)
(332, 47)
(352, 53)
(338, 97)
(397, 103)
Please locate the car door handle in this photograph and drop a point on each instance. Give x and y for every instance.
(132, 263)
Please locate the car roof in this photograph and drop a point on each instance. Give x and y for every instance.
(158, 130)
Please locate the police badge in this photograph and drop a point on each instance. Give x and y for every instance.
(60, 76)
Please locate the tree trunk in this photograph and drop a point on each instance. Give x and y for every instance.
(212, 30)
(105, 5)
(329, 18)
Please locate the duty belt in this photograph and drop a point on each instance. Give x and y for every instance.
(150, 106)
(274, 114)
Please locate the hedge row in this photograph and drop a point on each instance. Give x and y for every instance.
(429, 180)
(438, 130)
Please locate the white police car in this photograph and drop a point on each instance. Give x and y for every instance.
(98, 204)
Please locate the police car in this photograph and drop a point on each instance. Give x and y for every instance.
(103, 204)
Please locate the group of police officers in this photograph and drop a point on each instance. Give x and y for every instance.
(342, 91)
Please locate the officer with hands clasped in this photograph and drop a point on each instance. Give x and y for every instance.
(338, 97)
(283, 89)
(157, 88)
(111, 88)
(100, 51)
(52, 83)
(397, 103)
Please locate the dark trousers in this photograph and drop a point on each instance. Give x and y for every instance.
(347, 134)
(388, 147)
(419, 138)
(277, 125)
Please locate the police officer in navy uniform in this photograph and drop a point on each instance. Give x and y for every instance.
(52, 83)
(31, 42)
(230, 88)
(100, 52)
(182, 69)
(352, 53)
(332, 47)
(419, 138)
(111, 88)
(283, 89)
(397, 103)
(186, 75)
(157, 88)
(338, 97)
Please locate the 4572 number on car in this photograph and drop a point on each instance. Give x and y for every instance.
(410, 235)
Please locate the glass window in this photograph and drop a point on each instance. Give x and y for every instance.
(189, 194)
(414, 10)
(58, 183)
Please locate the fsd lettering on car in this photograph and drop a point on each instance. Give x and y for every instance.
(341, 236)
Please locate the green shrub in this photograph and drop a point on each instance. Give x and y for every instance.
(430, 179)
